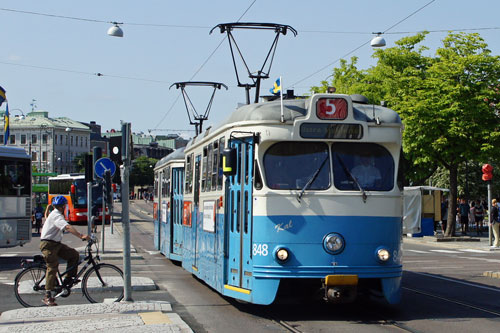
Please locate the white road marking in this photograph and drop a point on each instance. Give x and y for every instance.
(483, 259)
(445, 251)
(475, 251)
(9, 255)
(416, 251)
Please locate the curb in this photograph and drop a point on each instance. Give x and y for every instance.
(491, 274)
(148, 316)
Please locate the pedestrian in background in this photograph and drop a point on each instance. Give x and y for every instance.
(495, 223)
(472, 214)
(479, 217)
(444, 213)
(464, 215)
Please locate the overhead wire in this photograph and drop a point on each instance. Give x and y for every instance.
(203, 64)
(360, 46)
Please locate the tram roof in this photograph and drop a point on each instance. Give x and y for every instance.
(271, 111)
(177, 154)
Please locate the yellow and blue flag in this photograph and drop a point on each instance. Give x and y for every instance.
(6, 129)
(2, 95)
(276, 89)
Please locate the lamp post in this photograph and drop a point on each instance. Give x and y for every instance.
(68, 130)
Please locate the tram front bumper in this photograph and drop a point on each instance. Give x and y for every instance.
(340, 288)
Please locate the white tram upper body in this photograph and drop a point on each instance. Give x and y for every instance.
(309, 200)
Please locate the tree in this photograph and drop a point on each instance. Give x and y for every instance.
(79, 163)
(142, 172)
(448, 103)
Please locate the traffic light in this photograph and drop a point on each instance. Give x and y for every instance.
(108, 194)
(487, 172)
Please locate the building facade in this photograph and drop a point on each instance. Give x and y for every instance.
(53, 143)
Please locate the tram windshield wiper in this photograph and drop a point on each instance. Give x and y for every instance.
(312, 179)
(346, 170)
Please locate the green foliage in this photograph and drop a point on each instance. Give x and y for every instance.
(142, 172)
(448, 104)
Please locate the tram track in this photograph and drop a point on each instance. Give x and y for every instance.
(478, 308)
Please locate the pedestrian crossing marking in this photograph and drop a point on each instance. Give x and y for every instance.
(446, 251)
(475, 251)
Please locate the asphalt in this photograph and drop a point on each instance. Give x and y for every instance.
(143, 316)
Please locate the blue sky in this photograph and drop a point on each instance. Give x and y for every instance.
(53, 60)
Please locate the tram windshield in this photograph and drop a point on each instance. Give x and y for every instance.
(371, 166)
(292, 165)
(15, 177)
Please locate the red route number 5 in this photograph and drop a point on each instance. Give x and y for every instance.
(331, 108)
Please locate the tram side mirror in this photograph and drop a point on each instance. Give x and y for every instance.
(229, 162)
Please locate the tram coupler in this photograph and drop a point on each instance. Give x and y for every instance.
(340, 288)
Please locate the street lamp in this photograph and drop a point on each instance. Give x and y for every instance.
(67, 142)
(378, 41)
(115, 30)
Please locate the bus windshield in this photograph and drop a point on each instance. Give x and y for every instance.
(292, 165)
(15, 177)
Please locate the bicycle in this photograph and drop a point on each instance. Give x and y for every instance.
(101, 281)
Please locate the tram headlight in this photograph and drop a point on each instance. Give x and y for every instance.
(282, 254)
(333, 243)
(383, 254)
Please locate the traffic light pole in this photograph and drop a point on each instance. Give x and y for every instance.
(126, 154)
(490, 208)
(89, 208)
(103, 218)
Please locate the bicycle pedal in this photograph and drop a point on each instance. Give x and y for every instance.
(63, 293)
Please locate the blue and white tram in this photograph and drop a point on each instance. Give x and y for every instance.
(168, 204)
(309, 201)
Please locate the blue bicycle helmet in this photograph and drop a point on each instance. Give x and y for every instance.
(59, 200)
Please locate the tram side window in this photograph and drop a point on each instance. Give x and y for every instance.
(156, 185)
(215, 161)
(189, 174)
(219, 171)
(292, 165)
(204, 170)
(209, 167)
(257, 177)
(14, 177)
(368, 164)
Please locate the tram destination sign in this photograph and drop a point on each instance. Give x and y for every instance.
(331, 131)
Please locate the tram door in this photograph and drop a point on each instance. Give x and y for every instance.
(239, 212)
(196, 210)
(176, 211)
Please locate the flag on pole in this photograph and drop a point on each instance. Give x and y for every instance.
(6, 130)
(276, 89)
(2, 95)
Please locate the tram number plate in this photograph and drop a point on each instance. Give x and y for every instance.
(260, 250)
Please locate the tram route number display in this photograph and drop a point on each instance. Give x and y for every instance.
(331, 131)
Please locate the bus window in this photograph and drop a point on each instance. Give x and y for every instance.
(368, 164)
(291, 165)
(15, 177)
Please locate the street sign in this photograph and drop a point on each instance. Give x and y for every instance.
(102, 165)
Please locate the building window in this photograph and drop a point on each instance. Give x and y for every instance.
(72, 140)
(55, 139)
(33, 138)
(85, 142)
(76, 141)
(33, 156)
(45, 138)
(44, 156)
(1, 139)
(23, 139)
(13, 139)
(61, 139)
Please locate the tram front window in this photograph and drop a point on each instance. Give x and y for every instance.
(366, 165)
(291, 165)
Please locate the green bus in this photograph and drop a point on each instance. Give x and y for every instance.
(40, 188)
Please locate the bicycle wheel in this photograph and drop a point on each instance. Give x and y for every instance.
(29, 286)
(103, 282)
